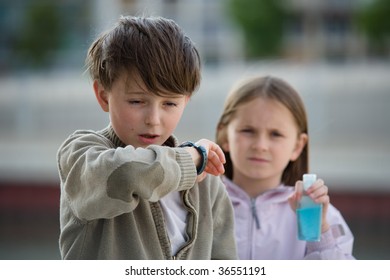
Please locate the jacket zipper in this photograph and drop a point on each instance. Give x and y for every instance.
(191, 210)
(254, 213)
(251, 231)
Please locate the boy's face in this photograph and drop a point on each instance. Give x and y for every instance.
(140, 118)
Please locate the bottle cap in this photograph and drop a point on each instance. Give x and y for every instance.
(308, 180)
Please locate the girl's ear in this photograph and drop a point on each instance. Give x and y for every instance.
(101, 95)
(222, 137)
(225, 146)
(301, 143)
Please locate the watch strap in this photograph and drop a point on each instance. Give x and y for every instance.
(203, 154)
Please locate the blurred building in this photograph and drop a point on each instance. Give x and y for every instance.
(323, 30)
(315, 29)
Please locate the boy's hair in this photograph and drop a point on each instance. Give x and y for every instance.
(154, 48)
(275, 89)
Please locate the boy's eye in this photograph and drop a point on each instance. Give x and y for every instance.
(171, 104)
(134, 102)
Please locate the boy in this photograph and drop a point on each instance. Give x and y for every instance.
(129, 191)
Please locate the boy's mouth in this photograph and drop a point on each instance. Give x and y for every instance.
(149, 136)
(149, 139)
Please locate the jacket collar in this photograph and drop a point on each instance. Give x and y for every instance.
(279, 194)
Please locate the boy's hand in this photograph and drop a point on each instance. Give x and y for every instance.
(319, 193)
(215, 157)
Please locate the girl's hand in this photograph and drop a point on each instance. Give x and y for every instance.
(319, 193)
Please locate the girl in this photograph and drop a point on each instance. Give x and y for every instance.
(263, 132)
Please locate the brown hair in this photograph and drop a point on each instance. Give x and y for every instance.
(153, 47)
(275, 89)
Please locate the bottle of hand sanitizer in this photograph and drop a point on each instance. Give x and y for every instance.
(309, 213)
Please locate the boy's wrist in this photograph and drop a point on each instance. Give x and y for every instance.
(202, 152)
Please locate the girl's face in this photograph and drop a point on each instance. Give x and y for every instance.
(262, 138)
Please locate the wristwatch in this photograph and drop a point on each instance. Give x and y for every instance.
(203, 154)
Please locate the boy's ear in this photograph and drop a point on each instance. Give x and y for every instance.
(301, 143)
(101, 95)
(187, 99)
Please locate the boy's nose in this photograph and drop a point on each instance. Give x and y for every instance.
(152, 116)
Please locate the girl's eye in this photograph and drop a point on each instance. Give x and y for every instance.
(247, 130)
(276, 134)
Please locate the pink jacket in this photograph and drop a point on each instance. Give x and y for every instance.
(266, 228)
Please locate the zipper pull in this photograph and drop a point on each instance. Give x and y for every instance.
(254, 213)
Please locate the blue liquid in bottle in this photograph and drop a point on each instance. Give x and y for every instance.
(309, 225)
(309, 214)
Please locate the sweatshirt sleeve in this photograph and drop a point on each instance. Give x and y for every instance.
(336, 243)
(101, 181)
